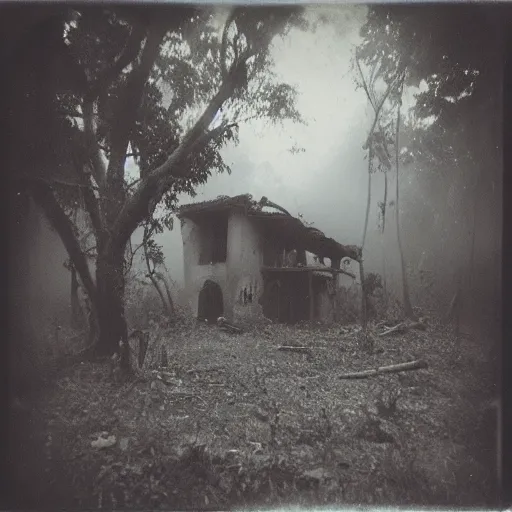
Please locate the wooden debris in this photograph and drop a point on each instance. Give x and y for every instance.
(200, 370)
(404, 327)
(401, 367)
(397, 328)
(227, 326)
(289, 348)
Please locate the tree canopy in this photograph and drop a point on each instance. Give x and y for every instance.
(165, 86)
(455, 49)
(451, 138)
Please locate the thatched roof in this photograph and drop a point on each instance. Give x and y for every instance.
(277, 223)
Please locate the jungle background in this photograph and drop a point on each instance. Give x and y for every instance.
(117, 116)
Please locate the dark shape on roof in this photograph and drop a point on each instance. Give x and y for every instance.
(278, 223)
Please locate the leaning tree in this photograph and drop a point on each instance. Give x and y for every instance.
(166, 87)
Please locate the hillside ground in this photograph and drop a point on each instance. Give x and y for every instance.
(234, 422)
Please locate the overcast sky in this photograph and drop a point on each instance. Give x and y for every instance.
(328, 182)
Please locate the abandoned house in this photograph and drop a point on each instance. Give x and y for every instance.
(244, 259)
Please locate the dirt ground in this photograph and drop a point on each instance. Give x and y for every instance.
(234, 422)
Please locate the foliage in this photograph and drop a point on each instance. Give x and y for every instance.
(372, 282)
(450, 139)
(459, 68)
(141, 301)
(460, 73)
(168, 88)
(186, 72)
(346, 301)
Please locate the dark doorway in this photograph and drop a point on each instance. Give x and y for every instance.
(211, 304)
(271, 300)
(286, 298)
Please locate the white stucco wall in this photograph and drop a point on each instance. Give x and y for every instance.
(241, 270)
(245, 258)
(195, 275)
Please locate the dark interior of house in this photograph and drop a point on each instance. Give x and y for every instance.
(211, 304)
(286, 297)
(214, 238)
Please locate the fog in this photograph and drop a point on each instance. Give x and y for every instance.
(327, 183)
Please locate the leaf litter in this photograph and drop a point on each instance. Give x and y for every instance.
(233, 421)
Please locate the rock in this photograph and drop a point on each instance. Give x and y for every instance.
(104, 442)
(123, 443)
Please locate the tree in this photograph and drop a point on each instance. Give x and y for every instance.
(378, 153)
(405, 283)
(39, 65)
(455, 52)
(128, 56)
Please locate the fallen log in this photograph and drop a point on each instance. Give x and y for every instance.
(211, 369)
(404, 327)
(397, 328)
(290, 348)
(394, 368)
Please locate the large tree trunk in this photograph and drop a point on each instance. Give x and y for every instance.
(113, 331)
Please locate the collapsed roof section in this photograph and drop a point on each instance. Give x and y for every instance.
(278, 223)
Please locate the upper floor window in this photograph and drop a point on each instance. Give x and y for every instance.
(213, 238)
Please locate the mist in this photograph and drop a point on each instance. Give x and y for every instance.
(327, 182)
(245, 367)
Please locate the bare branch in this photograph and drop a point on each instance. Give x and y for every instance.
(87, 190)
(377, 113)
(125, 112)
(133, 184)
(365, 85)
(70, 113)
(210, 135)
(132, 255)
